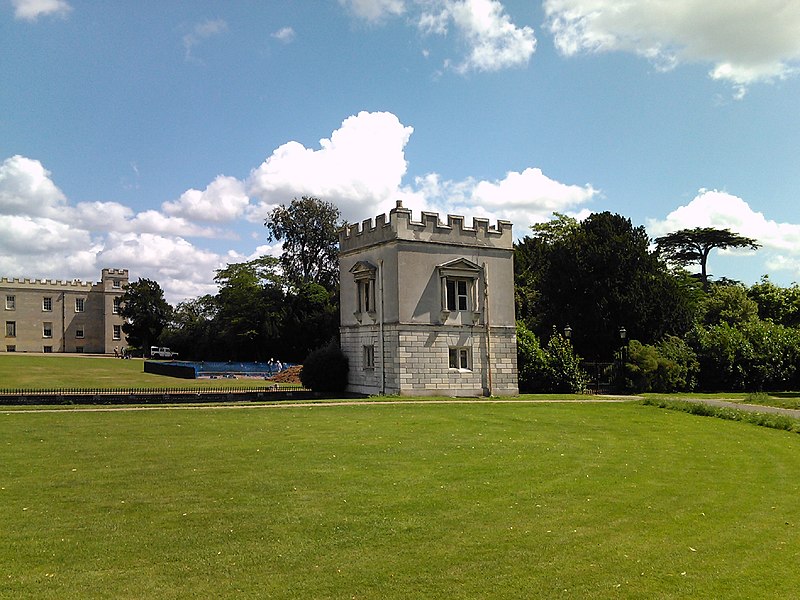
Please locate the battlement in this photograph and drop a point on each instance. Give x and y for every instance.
(121, 273)
(76, 284)
(401, 226)
(58, 284)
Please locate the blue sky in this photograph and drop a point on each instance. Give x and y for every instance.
(157, 135)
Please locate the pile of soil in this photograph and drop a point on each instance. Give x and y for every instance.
(289, 375)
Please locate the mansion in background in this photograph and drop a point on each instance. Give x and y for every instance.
(62, 316)
(427, 308)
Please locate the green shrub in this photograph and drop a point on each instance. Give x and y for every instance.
(532, 364)
(669, 366)
(565, 367)
(325, 369)
(555, 369)
(756, 355)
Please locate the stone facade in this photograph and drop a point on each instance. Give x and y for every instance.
(428, 307)
(62, 316)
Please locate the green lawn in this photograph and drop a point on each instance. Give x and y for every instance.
(397, 501)
(19, 371)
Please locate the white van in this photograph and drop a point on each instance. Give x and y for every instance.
(160, 352)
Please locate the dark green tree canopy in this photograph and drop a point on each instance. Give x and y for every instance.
(250, 309)
(146, 312)
(596, 276)
(308, 228)
(689, 246)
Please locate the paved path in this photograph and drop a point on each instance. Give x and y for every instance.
(789, 412)
(372, 402)
(285, 404)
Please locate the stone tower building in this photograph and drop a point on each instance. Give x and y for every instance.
(427, 307)
(62, 316)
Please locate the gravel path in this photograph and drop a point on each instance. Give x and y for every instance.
(365, 402)
(789, 412)
(372, 402)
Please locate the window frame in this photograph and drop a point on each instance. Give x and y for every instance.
(11, 329)
(82, 307)
(456, 274)
(364, 278)
(368, 357)
(116, 305)
(47, 329)
(47, 304)
(80, 332)
(459, 358)
(11, 302)
(116, 332)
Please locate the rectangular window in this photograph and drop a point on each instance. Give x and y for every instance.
(79, 332)
(457, 294)
(11, 329)
(117, 332)
(459, 358)
(11, 302)
(47, 349)
(47, 303)
(366, 295)
(369, 357)
(79, 349)
(11, 348)
(79, 304)
(115, 310)
(115, 283)
(47, 330)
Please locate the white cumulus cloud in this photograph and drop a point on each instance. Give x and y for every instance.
(285, 35)
(523, 198)
(491, 40)
(374, 10)
(200, 32)
(31, 10)
(224, 199)
(494, 42)
(745, 41)
(359, 166)
(26, 188)
(43, 235)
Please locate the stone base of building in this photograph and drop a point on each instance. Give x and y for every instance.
(425, 360)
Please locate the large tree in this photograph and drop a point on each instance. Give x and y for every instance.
(596, 276)
(689, 246)
(308, 228)
(250, 309)
(146, 313)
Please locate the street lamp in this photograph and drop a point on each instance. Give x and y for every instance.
(623, 338)
(568, 332)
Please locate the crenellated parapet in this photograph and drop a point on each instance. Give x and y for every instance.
(115, 274)
(75, 284)
(401, 226)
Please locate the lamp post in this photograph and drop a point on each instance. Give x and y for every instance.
(623, 355)
(568, 332)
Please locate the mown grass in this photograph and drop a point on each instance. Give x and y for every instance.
(397, 501)
(762, 419)
(778, 399)
(33, 372)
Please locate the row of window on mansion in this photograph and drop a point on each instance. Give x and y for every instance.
(458, 281)
(459, 358)
(47, 303)
(47, 326)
